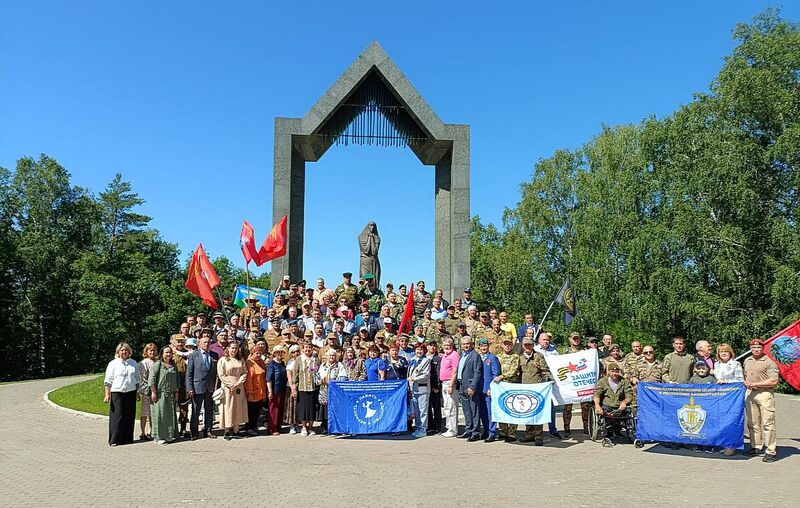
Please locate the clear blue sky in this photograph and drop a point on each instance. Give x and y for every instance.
(180, 98)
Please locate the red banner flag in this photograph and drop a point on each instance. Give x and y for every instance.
(247, 241)
(202, 278)
(275, 244)
(408, 313)
(784, 349)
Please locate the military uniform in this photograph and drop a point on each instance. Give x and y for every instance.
(421, 301)
(510, 371)
(630, 364)
(586, 407)
(610, 398)
(495, 340)
(395, 312)
(534, 370)
(247, 314)
(677, 368)
(451, 324)
(649, 372)
(349, 293)
(374, 296)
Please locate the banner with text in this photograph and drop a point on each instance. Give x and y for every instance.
(708, 415)
(575, 375)
(367, 407)
(521, 404)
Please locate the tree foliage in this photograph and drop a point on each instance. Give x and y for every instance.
(682, 225)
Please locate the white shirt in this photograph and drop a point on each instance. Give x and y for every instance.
(728, 372)
(122, 376)
(551, 351)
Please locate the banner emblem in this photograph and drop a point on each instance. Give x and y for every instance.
(691, 418)
(521, 403)
(368, 409)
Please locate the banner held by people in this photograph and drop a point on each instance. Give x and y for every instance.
(367, 407)
(575, 376)
(701, 415)
(521, 404)
(241, 292)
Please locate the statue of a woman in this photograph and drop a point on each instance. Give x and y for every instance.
(369, 241)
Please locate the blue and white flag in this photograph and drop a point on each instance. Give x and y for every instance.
(521, 404)
(367, 407)
(707, 415)
(264, 296)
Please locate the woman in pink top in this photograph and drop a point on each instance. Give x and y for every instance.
(447, 374)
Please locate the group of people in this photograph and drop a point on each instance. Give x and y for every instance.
(268, 368)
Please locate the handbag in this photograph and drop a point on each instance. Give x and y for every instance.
(218, 393)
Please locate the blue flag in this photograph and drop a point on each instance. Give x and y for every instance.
(707, 415)
(521, 404)
(367, 407)
(264, 296)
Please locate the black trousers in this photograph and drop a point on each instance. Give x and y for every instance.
(472, 419)
(204, 402)
(435, 411)
(121, 417)
(254, 411)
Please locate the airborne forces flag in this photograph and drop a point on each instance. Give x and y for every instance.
(566, 297)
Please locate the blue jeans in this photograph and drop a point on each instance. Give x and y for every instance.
(419, 404)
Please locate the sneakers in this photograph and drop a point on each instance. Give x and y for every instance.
(419, 434)
(160, 441)
(293, 430)
(754, 451)
(448, 434)
(311, 433)
(304, 432)
(768, 457)
(567, 434)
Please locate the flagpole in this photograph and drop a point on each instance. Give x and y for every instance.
(222, 304)
(541, 323)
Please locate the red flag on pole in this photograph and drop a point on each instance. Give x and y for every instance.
(784, 349)
(202, 278)
(275, 244)
(247, 241)
(408, 313)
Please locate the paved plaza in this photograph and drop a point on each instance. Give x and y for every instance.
(53, 458)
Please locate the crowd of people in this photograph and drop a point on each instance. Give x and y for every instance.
(268, 368)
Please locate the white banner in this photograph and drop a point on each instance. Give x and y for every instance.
(575, 375)
(521, 404)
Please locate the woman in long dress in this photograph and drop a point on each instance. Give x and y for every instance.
(149, 357)
(232, 373)
(163, 382)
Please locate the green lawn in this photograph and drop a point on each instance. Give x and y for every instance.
(85, 396)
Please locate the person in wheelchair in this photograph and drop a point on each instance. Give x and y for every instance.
(612, 398)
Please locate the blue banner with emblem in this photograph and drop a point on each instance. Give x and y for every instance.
(521, 404)
(367, 407)
(264, 296)
(703, 415)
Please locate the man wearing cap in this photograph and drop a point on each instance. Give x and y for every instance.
(437, 332)
(419, 334)
(496, 336)
(575, 346)
(761, 376)
(451, 321)
(612, 393)
(677, 366)
(202, 322)
(331, 342)
(371, 293)
(388, 328)
(402, 294)
(279, 305)
(403, 349)
(421, 299)
(273, 335)
(470, 383)
(342, 337)
(466, 300)
(306, 319)
(509, 373)
(235, 330)
(534, 370)
(284, 288)
(347, 290)
(483, 325)
(426, 321)
(219, 346)
(227, 304)
(249, 312)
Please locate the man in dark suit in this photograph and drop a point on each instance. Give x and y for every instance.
(201, 379)
(470, 382)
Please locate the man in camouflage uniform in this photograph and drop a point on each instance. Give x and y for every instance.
(426, 321)
(510, 372)
(575, 346)
(249, 313)
(421, 299)
(471, 318)
(280, 305)
(451, 320)
(395, 309)
(630, 365)
(347, 290)
(534, 370)
(496, 336)
(481, 327)
(227, 304)
(606, 399)
(372, 294)
(437, 332)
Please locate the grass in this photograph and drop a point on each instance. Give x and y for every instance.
(85, 396)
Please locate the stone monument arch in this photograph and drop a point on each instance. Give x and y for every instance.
(372, 102)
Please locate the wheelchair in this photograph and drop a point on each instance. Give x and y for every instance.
(623, 422)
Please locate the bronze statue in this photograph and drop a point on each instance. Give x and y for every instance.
(369, 241)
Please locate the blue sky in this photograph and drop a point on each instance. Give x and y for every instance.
(180, 98)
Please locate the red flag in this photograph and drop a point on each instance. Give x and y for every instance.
(247, 241)
(784, 349)
(202, 278)
(408, 313)
(275, 244)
